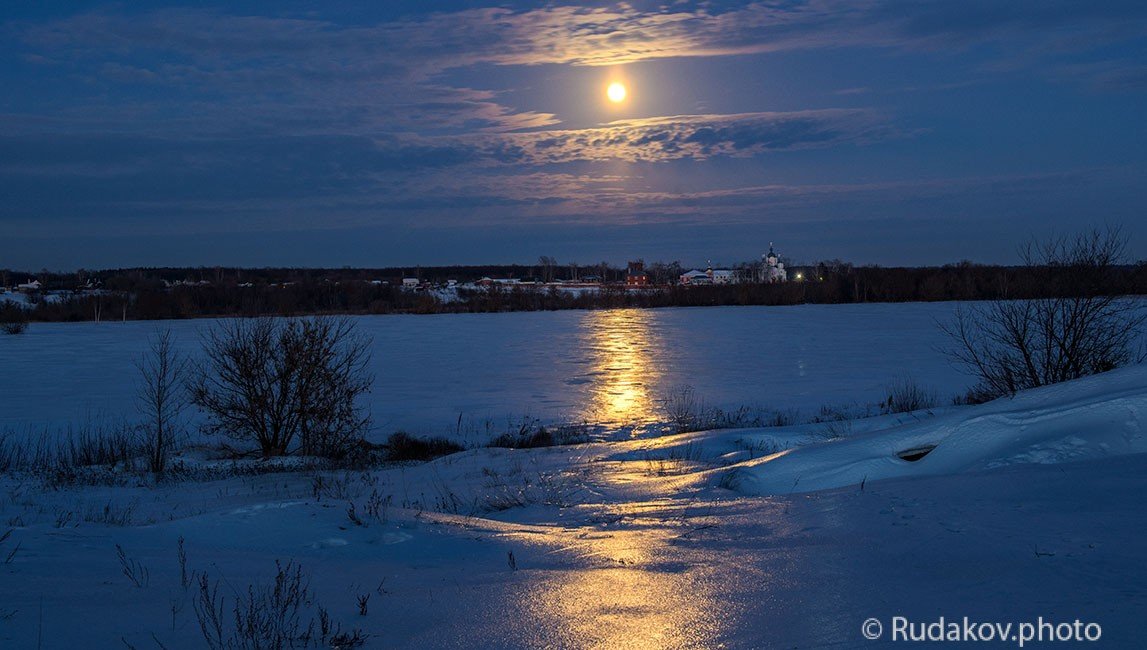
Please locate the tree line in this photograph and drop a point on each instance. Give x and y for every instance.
(147, 294)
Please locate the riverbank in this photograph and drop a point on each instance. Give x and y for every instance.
(621, 544)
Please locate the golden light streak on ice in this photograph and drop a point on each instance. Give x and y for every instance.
(619, 341)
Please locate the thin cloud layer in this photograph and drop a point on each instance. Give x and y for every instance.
(695, 137)
(383, 75)
(588, 35)
(124, 119)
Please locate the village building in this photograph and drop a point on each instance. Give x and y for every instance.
(488, 281)
(695, 277)
(772, 268)
(723, 276)
(709, 276)
(636, 276)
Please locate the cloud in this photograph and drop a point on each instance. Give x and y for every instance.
(198, 119)
(588, 35)
(697, 137)
(387, 75)
(1108, 76)
(320, 163)
(108, 183)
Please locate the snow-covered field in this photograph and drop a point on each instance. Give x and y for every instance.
(1015, 512)
(756, 538)
(439, 374)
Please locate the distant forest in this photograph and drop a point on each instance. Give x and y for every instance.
(175, 293)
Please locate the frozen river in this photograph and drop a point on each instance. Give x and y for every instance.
(602, 366)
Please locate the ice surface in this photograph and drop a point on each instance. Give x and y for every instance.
(603, 366)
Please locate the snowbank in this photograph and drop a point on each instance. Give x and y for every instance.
(1089, 418)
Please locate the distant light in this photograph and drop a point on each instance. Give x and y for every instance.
(800, 276)
(616, 92)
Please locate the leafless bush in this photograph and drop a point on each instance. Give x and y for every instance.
(13, 318)
(905, 396)
(352, 515)
(686, 411)
(843, 413)
(783, 418)
(1082, 329)
(14, 326)
(402, 446)
(531, 434)
(109, 515)
(764, 447)
(286, 384)
(89, 453)
(683, 408)
(377, 506)
(269, 617)
(675, 460)
(834, 429)
(347, 640)
(975, 395)
(88, 447)
(133, 570)
(162, 398)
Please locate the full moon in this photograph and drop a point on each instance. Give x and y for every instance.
(615, 92)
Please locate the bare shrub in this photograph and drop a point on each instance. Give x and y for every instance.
(532, 434)
(88, 447)
(162, 398)
(133, 570)
(975, 395)
(686, 411)
(13, 318)
(843, 412)
(834, 429)
(783, 418)
(109, 515)
(683, 408)
(905, 396)
(403, 446)
(1081, 329)
(287, 385)
(13, 326)
(268, 617)
(64, 456)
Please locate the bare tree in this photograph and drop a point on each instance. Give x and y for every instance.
(548, 265)
(288, 384)
(1080, 328)
(162, 397)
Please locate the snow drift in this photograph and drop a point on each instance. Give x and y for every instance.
(1088, 418)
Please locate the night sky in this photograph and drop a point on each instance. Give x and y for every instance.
(402, 132)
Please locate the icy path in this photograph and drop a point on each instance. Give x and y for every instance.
(646, 554)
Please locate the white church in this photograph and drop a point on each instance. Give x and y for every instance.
(772, 270)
